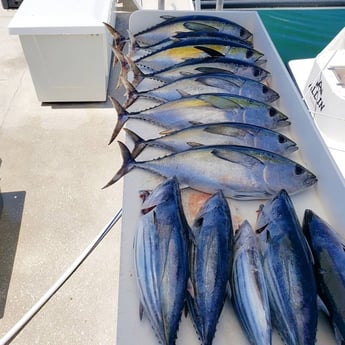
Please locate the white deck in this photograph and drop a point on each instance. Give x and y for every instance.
(55, 160)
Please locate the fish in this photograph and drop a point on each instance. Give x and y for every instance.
(243, 173)
(221, 133)
(328, 250)
(210, 265)
(144, 78)
(188, 35)
(288, 270)
(203, 108)
(181, 51)
(204, 83)
(188, 39)
(248, 286)
(161, 259)
(188, 23)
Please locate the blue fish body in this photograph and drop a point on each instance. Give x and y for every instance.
(161, 260)
(210, 265)
(288, 270)
(249, 292)
(329, 255)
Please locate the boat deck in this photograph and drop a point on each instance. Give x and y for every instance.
(55, 160)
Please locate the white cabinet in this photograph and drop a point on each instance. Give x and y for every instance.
(67, 47)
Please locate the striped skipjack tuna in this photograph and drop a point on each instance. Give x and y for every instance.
(161, 260)
(210, 265)
(329, 259)
(288, 270)
(249, 292)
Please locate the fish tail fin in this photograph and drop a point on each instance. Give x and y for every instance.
(139, 143)
(127, 165)
(120, 57)
(118, 38)
(131, 92)
(133, 44)
(138, 75)
(122, 117)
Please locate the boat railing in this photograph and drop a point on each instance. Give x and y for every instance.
(232, 4)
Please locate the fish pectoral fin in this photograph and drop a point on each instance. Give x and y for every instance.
(237, 157)
(183, 93)
(194, 144)
(219, 101)
(141, 311)
(205, 70)
(228, 290)
(190, 288)
(167, 131)
(261, 229)
(195, 26)
(195, 123)
(209, 51)
(212, 81)
(226, 131)
(167, 17)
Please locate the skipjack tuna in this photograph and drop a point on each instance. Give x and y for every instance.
(144, 78)
(161, 260)
(287, 265)
(190, 23)
(249, 292)
(221, 133)
(204, 83)
(210, 265)
(204, 108)
(329, 257)
(240, 172)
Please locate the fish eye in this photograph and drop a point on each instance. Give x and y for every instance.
(249, 53)
(256, 72)
(282, 139)
(298, 170)
(264, 89)
(242, 32)
(272, 112)
(198, 222)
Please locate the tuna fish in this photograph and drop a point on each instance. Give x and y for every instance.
(240, 172)
(249, 292)
(180, 51)
(329, 254)
(161, 260)
(288, 270)
(205, 83)
(144, 78)
(221, 133)
(189, 23)
(210, 265)
(204, 108)
(189, 35)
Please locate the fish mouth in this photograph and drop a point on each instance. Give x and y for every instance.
(292, 148)
(310, 180)
(283, 122)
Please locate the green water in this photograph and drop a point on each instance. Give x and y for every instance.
(299, 34)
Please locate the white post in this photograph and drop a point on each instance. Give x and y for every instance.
(219, 5)
(161, 4)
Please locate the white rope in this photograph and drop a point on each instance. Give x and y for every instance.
(11, 334)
